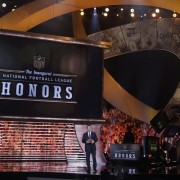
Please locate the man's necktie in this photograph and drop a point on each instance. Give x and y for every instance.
(89, 134)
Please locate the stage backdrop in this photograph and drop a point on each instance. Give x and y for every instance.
(42, 79)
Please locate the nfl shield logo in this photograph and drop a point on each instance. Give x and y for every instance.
(39, 62)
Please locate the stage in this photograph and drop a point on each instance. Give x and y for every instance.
(77, 170)
(51, 167)
(57, 170)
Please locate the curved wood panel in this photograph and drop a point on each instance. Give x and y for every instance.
(124, 101)
(161, 33)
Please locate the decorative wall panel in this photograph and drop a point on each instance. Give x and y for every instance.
(175, 43)
(148, 34)
(132, 36)
(38, 141)
(164, 33)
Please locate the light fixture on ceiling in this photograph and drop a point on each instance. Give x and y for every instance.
(107, 9)
(157, 10)
(95, 11)
(153, 14)
(82, 13)
(132, 14)
(132, 10)
(174, 15)
(4, 5)
(105, 14)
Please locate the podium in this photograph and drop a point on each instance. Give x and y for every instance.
(125, 158)
(125, 152)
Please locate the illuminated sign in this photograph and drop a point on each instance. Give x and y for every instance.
(125, 152)
(36, 86)
(46, 78)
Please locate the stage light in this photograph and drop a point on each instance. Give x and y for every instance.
(4, 5)
(105, 14)
(157, 10)
(107, 9)
(174, 15)
(13, 9)
(95, 11)
(132, 10)
(145, 14)
(95, 27)
(82, 13)
(117, 14)
(153, 14)
(132, 14)
(122, 9)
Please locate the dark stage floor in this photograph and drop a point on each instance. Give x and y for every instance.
(77, 170)
(52, 167)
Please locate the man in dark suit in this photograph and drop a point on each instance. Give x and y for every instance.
(129, 136)
(90, 138)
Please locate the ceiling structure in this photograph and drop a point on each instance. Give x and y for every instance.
(30, 13)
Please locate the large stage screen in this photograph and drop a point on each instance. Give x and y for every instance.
(49, 80)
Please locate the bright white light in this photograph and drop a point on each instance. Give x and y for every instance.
(144, 14)
(117, 14)
(153, 14)
(157, 10)
(82, 13)
(132, 14)
(4, 5)
(122, 9)
(13, 9)
(94, 8)
(107, 9)
(174, 15)
(132, 10)
(105, 14)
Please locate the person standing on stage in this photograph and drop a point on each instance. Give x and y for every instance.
(90, 139)
(129, 136)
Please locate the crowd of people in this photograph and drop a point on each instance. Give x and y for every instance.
(118, 125)
(122, 128)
